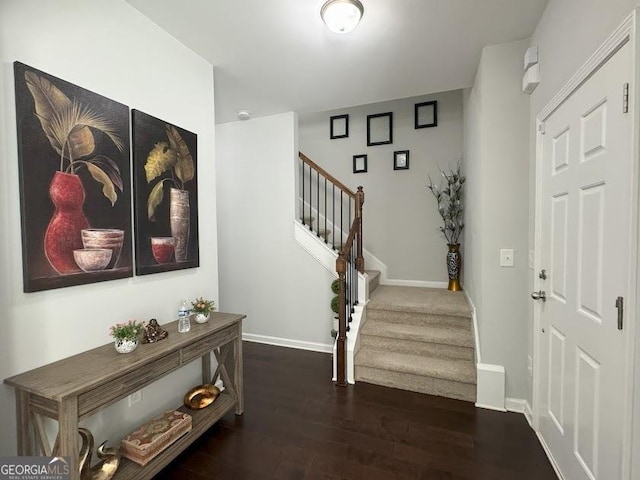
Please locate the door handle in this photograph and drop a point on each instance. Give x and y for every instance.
(539, 295)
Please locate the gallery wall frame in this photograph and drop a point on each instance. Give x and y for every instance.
(75, 197)
(426, 114)
(360, 163)
(339, 126)
(165, 171)
(380, 129)
(401, 160)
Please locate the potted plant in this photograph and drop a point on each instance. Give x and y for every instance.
(202, 308)
(335, 306)
(126, 335)
(449, 196)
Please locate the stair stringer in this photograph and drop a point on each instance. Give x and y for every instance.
(324, 254)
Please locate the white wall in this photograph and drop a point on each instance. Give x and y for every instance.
(263, 271)
(111, 49)
(400, 219)
(496, 149)
(568, 33)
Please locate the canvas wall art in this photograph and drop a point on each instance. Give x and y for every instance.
(74, 164)
(166, 195)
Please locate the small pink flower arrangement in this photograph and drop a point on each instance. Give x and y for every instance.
(200, 305)
(131, 329)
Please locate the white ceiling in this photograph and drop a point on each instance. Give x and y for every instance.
(273, 56)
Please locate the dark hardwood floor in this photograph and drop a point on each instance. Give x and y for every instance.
(298, 425)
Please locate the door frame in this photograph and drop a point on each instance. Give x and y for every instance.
(625, 33)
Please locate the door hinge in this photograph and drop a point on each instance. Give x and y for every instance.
(541, 128)
(620, 307)
(625, 98)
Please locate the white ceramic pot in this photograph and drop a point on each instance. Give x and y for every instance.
(126, 345)
(202, 317)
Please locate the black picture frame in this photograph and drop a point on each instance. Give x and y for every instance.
(380, 129)
(426, 114)
(401, 160)
(339, 126)
(165, 197)
(360, 163)
(71, 204)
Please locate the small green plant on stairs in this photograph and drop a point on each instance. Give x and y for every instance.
(335, 306)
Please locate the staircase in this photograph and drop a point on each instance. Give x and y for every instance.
(418, 339)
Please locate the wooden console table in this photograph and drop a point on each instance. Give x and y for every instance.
(77, 387)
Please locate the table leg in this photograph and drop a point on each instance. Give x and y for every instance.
(24, 427)
(237, 371)
(206, 368)
(68, 431)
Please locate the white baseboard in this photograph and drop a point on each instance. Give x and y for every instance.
(414, 283)
(552, 460)
(490, 386)
(287, 342)
(519, 405)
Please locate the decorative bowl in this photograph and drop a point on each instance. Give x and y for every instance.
(163, 249)
(92, 259)
(110, 238)
(201, 396)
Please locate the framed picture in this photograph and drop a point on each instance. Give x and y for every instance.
(401, 160)
(339, 126)
(166, 195)
(359, 164)
(380, 129)
(75, 177)
(426, 114)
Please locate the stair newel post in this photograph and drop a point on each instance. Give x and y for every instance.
(359, 204)
(341, 360)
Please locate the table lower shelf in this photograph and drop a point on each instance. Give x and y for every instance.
(202, 420)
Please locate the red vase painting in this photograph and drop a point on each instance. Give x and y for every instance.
(63, 233)
(74, 142)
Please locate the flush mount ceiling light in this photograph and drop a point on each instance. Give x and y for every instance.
(342, 16)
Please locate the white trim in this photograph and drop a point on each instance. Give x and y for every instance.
(288, 342)
(625, 33)
(490, 383)
(315, 247)
(474, 318)
(414, 283)
(528, 413)
(611, 45)
(552, 460)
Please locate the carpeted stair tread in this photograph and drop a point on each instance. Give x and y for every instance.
(434, 301)
(433, 334)
(374, 280)
(417, 348)
(417, 383)
(462, 371)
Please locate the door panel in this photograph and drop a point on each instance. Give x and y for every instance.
(586, 238)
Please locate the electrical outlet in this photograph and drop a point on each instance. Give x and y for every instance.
(532, 259)
(135, 397)
(506, 257)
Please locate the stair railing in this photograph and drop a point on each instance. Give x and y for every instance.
(337, 210)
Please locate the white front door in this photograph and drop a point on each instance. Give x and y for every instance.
(585, 251)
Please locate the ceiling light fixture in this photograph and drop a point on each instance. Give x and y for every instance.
(342, 16)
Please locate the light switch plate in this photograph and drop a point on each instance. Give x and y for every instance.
(506, 257)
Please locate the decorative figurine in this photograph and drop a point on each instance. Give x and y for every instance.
(109, 459)
(154, 332)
